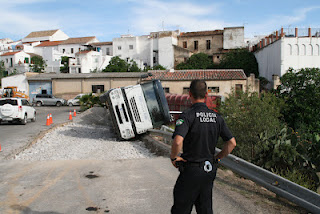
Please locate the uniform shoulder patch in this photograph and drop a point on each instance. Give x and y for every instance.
(179, 122)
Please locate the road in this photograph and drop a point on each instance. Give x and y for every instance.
(14, 137)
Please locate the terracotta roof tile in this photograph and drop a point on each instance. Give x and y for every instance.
(79, 40)
(225, 74)
(201, 33)
(10, 53)
(101, 43)
(41, 33)
(83, 52)
(49, 43)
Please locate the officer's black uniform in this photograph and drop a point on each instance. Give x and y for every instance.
(200, 127)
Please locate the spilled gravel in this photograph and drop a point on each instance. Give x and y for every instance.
(89, 137)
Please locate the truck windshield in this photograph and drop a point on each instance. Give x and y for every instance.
(8, 101)
(154, 95)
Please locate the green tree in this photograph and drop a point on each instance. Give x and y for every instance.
(65, 64)
(240, 59)
(197, 61)
(116, 64)
(37, 64)
(301, 92)
(248, 115)
(133, 67)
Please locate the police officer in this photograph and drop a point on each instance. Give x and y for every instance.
(197, 132)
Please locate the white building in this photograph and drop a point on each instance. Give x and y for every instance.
(50, 54)
(71, 46)
(150, 50)
(18, 61)
(104, 47)
(276, 54)
(88, 61)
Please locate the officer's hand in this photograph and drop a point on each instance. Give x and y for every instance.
(178, 159)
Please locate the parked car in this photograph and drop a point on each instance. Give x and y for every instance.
(16, 109)
(75, 101)
(48, 100)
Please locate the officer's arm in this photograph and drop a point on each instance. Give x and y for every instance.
(175, 149)
(227, 148)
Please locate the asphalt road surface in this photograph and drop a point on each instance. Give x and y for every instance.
(14, 137)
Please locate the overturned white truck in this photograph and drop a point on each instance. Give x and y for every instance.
(135, 109)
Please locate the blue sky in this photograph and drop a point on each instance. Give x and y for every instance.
(110, 19)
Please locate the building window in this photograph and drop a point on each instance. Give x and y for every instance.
(72, 50)
(26, 60)
(79, 70)
(208, 44)
(131, 47)
(213, 89)
(290, 49)
(154, 60)
(63, 50)
(303, 51)
(185, 45)
(196, 45)
(166, 90)
(238, 89)
(108, 51)
(97, 88)
(119, 47)
(185, 90)
(7, 61)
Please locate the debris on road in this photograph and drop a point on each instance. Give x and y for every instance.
(81, 141)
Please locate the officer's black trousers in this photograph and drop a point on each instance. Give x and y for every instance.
(193, 187)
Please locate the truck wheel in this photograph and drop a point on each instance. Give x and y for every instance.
(39, 104)
(70, 104)
(59, 104)
(24, 120)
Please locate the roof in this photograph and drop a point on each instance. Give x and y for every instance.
(100, 43)
(49, 43)
(48, 77)
(217, 74)
(201, 33)
(78, 40)
(82, 52)
(10, 53)
(41, 33)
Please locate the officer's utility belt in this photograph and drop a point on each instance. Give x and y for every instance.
(206, 165)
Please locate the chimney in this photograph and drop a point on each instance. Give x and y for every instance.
(309, 31)
(282, 34)
(296, 32)
(277, 35)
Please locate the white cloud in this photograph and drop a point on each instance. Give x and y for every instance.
(278, 21)
(151, 15)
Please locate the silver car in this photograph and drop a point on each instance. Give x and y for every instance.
(48, 100)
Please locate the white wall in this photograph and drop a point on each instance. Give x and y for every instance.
(269, 60)
(57, 36)
(18, 80)
(166, 51)
(68, 47)
(233, 38)
(300, 52)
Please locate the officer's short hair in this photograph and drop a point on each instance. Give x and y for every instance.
(198, 89)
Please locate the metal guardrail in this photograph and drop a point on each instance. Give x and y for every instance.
(277, 184)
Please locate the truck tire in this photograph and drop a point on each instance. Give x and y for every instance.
(24, 120)
(58, 104)
(39, 104)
